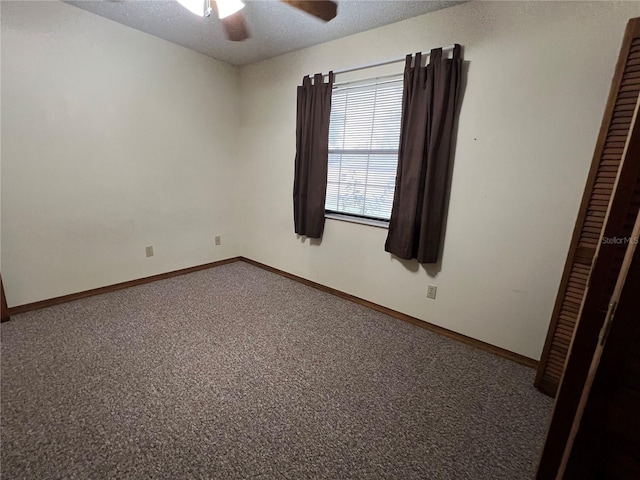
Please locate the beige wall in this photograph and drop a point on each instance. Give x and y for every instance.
(111, 140)
(538, 78)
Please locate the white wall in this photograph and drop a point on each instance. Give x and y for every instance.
(112, 140)
(538, 78)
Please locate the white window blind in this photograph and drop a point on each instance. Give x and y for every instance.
(364, 134)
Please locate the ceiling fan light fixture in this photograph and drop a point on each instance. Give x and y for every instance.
(227, 8)
(194, 6)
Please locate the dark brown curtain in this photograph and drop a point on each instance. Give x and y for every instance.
(428, 112)
(312, 155)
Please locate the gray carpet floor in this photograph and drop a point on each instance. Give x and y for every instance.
(238, 373)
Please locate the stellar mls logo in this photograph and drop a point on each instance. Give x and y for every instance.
(620, 240)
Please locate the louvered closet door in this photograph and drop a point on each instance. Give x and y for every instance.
(587, 233)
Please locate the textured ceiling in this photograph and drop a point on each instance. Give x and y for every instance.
(276, 28)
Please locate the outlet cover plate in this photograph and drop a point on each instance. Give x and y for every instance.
(431, 291)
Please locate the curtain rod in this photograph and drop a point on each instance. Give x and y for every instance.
(378, 64)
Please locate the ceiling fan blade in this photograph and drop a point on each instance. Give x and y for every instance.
(324, 10)
(235, 27)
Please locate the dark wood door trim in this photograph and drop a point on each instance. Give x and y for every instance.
(3, 304)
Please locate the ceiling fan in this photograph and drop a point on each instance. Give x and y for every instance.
(233, 21)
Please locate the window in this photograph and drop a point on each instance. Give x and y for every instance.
(364, 134)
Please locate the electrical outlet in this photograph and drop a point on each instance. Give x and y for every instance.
(149, 251)
(218, 240)
(431, 291)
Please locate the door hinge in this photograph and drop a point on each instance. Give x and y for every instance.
(604, 331)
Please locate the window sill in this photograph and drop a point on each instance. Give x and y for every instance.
(362, 221)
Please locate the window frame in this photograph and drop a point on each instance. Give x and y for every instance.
(374, 83)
